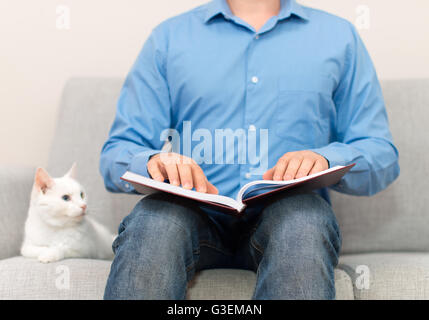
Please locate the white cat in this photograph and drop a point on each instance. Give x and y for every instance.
(57, 226)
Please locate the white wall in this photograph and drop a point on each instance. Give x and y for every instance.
(105, 36)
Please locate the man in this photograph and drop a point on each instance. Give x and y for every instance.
(302, 75)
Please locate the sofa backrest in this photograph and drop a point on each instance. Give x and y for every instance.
(86, 113)
(395, 219)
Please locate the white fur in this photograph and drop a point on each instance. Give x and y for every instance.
(57, 229)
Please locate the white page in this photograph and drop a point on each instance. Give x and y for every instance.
(237, 205)
(281, 183)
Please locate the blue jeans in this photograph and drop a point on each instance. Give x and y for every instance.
(292, 243)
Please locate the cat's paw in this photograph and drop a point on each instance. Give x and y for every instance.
(49, 255)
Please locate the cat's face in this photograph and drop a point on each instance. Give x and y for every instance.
(59, 201)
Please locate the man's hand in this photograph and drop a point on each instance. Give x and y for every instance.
(179, 170)
(294, 165)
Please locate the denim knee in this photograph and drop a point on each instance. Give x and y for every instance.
(301, 224)
(155, 251)
(176, 209)
(156, 224)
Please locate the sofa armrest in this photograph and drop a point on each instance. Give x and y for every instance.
(15, 189)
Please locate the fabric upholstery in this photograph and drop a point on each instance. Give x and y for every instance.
(86, 279)
(15, 189)
(391, 275)
(23, 279)
(225, 284)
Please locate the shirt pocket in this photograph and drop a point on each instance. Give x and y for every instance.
(304, 110)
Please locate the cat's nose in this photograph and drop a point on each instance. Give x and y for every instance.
(83, 207)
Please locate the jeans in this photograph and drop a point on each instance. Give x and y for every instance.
(292, 243)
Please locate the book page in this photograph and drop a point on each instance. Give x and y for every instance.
(162, 186)
(258, 185)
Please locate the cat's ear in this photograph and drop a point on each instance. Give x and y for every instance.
(72, 172)
(43, 180)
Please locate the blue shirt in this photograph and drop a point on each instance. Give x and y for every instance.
(305, 77)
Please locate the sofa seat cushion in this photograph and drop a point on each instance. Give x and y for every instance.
(391, 275)
(24, 278)
(225, 284)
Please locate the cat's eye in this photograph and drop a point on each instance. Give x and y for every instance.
(66, 197)
(82, 195)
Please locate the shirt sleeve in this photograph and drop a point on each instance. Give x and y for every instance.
(143, 112)
(362, 131)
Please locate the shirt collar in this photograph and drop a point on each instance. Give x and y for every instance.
(288, 8)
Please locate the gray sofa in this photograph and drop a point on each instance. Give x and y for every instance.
(385, 252)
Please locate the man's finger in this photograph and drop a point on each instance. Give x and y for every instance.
(292, 168)
(211, 188)
(306, 166)
(161, 167)
(154, 171)
(280, 168)
(318, 166)
(185, 174)
(173, 174)
(268, 175)
(199, 179)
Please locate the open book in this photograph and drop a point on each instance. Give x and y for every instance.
(249, 193)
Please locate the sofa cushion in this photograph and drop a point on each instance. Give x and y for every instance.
(24, 278)
(391, 275)
(225, 284)
(15, 189)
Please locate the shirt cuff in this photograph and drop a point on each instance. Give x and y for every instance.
(139, 162)
(333, 157)
(332, 153)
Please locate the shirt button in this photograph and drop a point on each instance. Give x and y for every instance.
(257, 37)
(248, 175)
(255, 79)
(252, 128)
